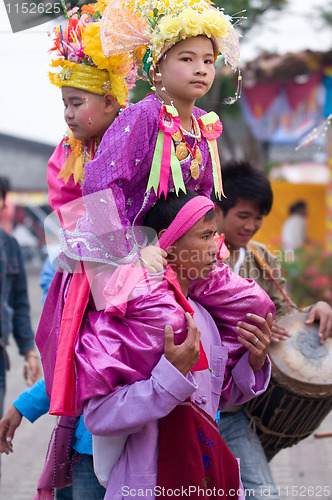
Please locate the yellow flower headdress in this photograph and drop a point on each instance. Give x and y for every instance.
(147, 28)
(82, 63)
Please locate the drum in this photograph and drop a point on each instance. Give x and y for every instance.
(299, 395)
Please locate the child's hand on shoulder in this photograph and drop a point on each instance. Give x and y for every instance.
(153, 259)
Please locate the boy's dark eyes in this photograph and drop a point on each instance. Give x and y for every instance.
(75, 104)
(206, 61)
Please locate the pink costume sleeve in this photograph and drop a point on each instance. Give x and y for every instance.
(60, 192)
(229, 298)
(241, 385)
(123, 345)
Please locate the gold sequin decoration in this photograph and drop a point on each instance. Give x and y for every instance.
(194, 169)
(181, 151)
(199, 157)
(177, 136)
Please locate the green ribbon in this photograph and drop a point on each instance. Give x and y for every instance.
(214, 171)
(154, 176)
(177, 174)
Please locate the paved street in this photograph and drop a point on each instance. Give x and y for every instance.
(300, 472)
(21, 469)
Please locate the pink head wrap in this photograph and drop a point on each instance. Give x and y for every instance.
(192, 211)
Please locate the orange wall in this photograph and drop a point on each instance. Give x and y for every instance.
(284, 195)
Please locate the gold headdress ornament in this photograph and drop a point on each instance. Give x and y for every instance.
(147, 28)
(82, 63)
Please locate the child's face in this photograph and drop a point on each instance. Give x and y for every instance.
(84, 113)
(187, 69)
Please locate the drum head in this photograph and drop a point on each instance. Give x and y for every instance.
(301, 357)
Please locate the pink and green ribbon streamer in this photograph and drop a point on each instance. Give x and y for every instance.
(211, 128)
(164, 158)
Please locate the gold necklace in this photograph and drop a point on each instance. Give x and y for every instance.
(183, 149)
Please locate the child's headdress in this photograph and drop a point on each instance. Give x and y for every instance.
(147, 28)
(82, 63)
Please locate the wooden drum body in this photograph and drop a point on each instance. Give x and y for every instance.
(299, 395)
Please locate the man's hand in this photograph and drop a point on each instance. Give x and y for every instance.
(185, 355)
(321, 312)
(256, 338)
(32, 371)
(8, 425)
(279, 333)
(153, 259)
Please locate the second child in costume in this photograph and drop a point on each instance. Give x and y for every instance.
(94, 91)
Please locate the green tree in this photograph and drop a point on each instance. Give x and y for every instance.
(326, 13)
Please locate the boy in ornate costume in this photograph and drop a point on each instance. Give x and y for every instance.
(163, 142)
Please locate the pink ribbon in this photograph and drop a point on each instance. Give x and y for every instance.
(185, 219)
(169, 124)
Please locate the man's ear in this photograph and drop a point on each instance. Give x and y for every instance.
(161, 232)
(217, 209)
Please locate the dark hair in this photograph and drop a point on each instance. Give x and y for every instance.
(242, 181)
(164, 211)
(3, 188)
(298, 205)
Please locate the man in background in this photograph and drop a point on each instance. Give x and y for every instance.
(239, 217)
(14, 308)
(294, 229)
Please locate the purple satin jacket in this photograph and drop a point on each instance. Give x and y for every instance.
(134, 409)
(116, 180)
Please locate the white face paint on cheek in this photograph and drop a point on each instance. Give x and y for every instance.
(87, 107)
